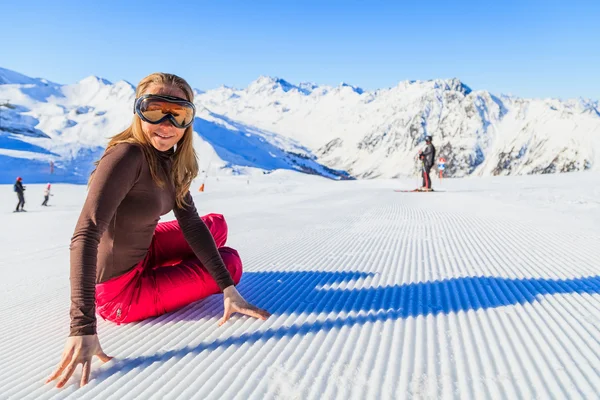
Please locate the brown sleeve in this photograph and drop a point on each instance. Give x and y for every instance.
(115, 175)
(202, 242)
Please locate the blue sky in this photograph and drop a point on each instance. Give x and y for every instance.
(527, 48)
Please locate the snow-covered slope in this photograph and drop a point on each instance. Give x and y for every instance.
(478, 292)
(378, 133)
(69, 125)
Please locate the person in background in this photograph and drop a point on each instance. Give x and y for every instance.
(441, 167)
(427, 156)
(47, 195)
(20, 190)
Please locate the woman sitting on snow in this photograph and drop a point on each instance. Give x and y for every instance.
(124, 264)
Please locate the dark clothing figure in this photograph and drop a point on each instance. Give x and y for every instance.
(426, 177)
(46, 195)
(20, 190)
(21, 202)
(427, 156)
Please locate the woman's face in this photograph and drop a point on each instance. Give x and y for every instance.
(165, 135)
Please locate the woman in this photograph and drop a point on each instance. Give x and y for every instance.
(124, 265)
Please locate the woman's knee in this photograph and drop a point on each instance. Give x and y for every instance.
(218, 227)
(233, 262)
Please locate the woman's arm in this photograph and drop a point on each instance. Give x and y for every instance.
(202, 242)
(114, 177)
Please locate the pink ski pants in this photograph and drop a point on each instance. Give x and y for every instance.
(169, 278)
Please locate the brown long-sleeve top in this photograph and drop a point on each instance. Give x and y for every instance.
(117, 223)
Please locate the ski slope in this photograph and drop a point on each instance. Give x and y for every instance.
(488, 288)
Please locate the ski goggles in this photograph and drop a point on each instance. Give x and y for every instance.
(154, 109)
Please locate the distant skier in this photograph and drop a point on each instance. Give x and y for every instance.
(47, 195)
(427, 157)
(441, 167)
(20, 190)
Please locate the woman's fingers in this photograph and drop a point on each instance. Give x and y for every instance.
(67, 374)
(85, 373)
(243, 308)
(66, 358)
(102, 356)
(78, 350)
(87, 367)
(255, 312)
(226, 315)
(264, 313)
(56, 373)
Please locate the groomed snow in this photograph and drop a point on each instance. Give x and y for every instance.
(489, 288)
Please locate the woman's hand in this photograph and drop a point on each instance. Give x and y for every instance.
(78, 350)
(234, 302)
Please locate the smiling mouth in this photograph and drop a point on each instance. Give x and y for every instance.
(163, 136)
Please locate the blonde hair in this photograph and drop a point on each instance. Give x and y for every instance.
(185, 160)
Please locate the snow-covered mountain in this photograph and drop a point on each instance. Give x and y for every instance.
(331, 131)
(52, 132)
(379, 133)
